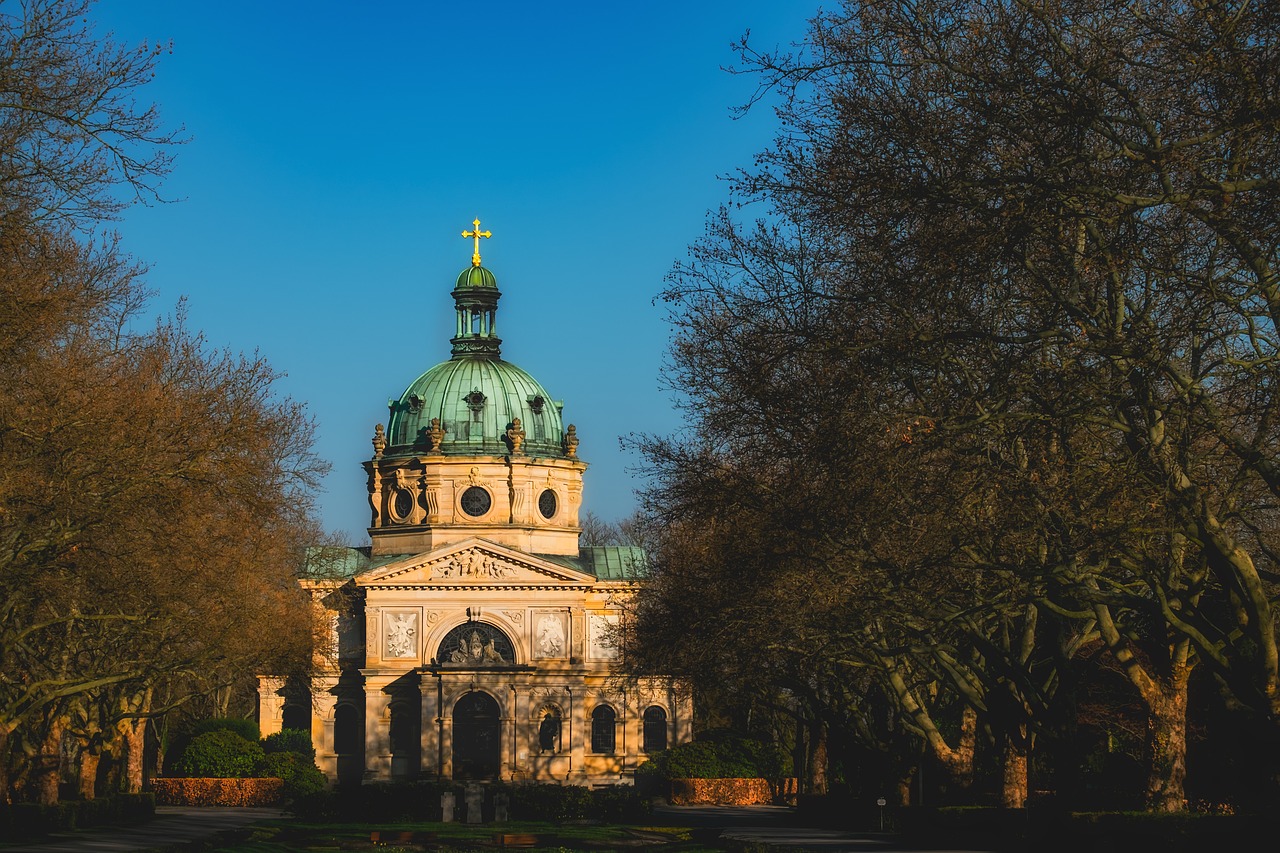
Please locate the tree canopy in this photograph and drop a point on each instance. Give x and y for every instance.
(155, 492)
(991, 382)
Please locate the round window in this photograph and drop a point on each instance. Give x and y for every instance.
(547, 504)
(476, 501)
(403, 504)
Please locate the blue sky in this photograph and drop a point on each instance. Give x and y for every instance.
(338, 150)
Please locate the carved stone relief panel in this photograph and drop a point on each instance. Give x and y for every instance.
(602, 628)
(472, 564)
(402, 631)
(371, 630)
(550, 634)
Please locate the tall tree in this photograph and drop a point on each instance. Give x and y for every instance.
(155, 493)
(1036, 242)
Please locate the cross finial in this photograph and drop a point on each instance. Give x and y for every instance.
(477, 234)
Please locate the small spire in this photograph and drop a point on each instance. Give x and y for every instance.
(476, 234)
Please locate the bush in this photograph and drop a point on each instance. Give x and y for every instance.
(21, 821)
(715, 755)
(290, 740)
(247, 729)
(298, 772)
(220, 754)
(417, 802)
(550, 802)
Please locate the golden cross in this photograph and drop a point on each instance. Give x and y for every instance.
(477, 234)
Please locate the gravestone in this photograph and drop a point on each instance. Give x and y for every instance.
(446, 807)
(500, 803)
(475, 801)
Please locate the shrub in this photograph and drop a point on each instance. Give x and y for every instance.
(716, 755)
(550, 802)
(21, 821)
(247, 729)
(290, 740)
(298, 772)
(220, 754)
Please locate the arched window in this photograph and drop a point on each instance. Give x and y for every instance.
(603, 728)
(655, 729)
(549, 731)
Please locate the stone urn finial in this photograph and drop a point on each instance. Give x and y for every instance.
(571, 442)
(515, 436)
(436, 434)
(379, 441)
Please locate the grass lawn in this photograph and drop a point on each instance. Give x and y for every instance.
(277, 836)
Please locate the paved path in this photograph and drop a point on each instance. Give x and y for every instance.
(775, 827)
(172, 825)
(770, 825)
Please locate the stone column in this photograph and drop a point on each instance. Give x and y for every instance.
(377, 725)
(323, 703)
(429, 739)
(578, 732)
(270, 704)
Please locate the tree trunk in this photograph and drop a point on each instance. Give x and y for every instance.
(817, 757)
(46, 770)
(961, 768)
(1167, 744)
(89, 760)
(5, 796)
(133, 739)
(1013, 777)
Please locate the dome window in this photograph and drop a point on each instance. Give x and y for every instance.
(476, 502)
(536, 404)
(415, 403)
(475, 400)
(547, 504)
(402, 505)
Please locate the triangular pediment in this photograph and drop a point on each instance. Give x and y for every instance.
(473, 562)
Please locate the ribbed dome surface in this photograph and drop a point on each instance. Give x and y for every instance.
(475, 424)
(476, 277)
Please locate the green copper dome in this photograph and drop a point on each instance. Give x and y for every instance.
(475, 396)
(476, 400)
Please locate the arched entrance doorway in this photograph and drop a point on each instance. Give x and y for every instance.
(477, 737)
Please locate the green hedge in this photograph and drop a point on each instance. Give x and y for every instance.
(299, 772)
(420, 802)
(247, 729)
(22, 821)
(290, 740)
(715, 755)
(220, 754)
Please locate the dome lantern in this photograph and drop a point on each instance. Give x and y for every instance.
(475, 298)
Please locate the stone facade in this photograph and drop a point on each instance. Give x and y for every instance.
(474, 638)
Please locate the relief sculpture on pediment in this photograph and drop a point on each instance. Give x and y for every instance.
(473, 565)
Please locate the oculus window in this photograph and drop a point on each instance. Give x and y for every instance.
(476, 502)
(547, 504)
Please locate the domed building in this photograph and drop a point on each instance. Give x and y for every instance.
(474, 637)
